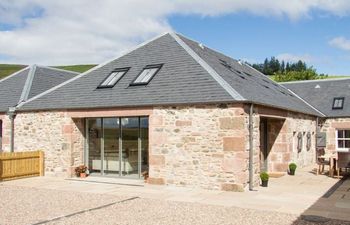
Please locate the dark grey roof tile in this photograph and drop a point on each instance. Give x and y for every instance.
(28, 83)
(184, 78)
(320, 94)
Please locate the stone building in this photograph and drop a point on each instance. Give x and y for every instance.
(331, 98)
(18, 88)
(172, 107)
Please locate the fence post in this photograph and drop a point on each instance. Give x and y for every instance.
(41, 161)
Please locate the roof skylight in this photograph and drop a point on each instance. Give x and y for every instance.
(338, 103)
(113, 78)
(147, 74)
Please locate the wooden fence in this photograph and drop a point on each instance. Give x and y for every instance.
(15, 165)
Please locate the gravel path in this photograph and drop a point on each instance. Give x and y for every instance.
(22, 205)
(147, 211)
(19, 205)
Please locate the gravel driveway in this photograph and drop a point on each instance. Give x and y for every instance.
(23, 205)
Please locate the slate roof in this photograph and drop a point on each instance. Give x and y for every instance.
(320, 94)
(191, 73)
(29, 82)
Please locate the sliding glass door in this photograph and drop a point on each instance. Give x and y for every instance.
(94, 145)
(122, 143)
(111, 134)
(130, 146)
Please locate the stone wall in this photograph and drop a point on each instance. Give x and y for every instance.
(59, 136)
(330, 126)
(200, 146)
(283, 128)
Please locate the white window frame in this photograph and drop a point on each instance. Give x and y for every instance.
(112, 79)
(344, 139)
(146, 75)
(338, 103)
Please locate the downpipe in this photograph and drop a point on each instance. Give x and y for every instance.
(12, 115)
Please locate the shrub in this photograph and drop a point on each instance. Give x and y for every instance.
(264, 176)
(292, 166)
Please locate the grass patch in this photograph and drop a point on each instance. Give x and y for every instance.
(331, 77)
(273, 77)
(7, 69)
(76, 68)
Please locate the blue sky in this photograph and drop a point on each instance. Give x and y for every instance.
(78, 32)
(254, 38)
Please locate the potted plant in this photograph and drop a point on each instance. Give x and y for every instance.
(292, 168)
(81, 171)
(145, 175)
(264, 179)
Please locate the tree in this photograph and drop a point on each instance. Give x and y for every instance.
(287, 67)
(288, 71)
(308, 74)
(282, 67)
(266, 69)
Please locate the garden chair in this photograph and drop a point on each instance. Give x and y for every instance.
(343, 162)
(321, 161)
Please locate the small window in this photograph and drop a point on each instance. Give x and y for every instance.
(113, 78)
(225, 64)
(343, 139)
(146, 75)
(300, 142)
(338, 103)
(308, 141)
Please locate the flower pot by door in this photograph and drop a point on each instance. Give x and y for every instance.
(82, 175)
(264, 183)
(292, 172)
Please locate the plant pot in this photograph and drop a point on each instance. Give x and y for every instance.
(82, 175)
(264, 183)
(292, 172)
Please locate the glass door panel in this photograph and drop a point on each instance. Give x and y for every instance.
(94, 145)
(122, 143)
(144, 144)
(130, 147)
(111, 133)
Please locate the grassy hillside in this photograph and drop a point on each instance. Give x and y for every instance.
(8, 69)
(77, 68)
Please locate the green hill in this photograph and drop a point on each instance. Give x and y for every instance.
(77, 68)
(8, 69)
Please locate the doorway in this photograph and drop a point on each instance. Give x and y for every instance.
(263, 144)
(0, 135)
(117, 146)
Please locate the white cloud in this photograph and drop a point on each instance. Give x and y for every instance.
(90, 31)
(341, 43)
(288, 57)
(82, 31)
